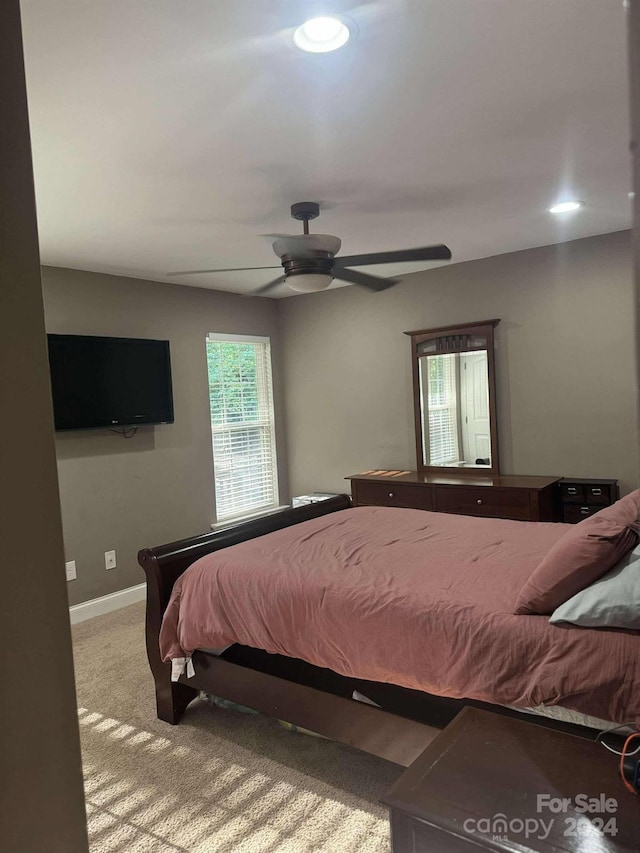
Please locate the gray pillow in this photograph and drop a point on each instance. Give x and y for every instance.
(613, 601)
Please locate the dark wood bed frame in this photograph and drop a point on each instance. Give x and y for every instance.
(303, 695)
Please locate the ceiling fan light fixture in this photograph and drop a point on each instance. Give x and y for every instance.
(308, 282)
(566, 207)
(321, 35)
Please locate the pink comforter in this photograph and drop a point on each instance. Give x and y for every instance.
(420, 599)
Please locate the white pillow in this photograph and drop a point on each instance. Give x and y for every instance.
(613, 601)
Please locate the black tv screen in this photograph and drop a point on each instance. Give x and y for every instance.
(109, 382)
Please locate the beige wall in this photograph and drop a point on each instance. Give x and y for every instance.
(566, 364)
(41, 801)
(127, 494)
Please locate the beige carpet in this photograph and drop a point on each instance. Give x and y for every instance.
(221, 780)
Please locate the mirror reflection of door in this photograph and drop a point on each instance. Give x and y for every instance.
(474, 393)
(454, 390)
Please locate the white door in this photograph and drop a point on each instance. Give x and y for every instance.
(474, 387)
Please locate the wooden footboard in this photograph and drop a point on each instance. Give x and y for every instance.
(164, 564)
(337, 717)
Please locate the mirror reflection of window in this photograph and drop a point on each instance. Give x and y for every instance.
(455, 399)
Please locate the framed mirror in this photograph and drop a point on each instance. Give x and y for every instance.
(455, 398)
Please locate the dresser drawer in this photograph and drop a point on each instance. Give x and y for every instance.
(572, 514)
(599, 495)
(573, 493)
(493, 503)
(587, 493)
(392, 494)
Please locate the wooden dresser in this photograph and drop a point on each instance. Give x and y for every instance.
(520, 498)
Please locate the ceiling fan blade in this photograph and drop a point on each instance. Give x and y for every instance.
(426, 253)
(230, 269)
(270, 285)
(371, 282)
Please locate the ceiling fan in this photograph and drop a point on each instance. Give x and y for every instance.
(310, 263)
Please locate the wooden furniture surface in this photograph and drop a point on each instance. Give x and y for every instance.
(581, 498)
(519, 498)
(487, 781)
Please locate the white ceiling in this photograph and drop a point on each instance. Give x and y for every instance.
(171, 135)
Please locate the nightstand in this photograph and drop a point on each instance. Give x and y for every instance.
(492, 782)
(314, 497)
(581, 498)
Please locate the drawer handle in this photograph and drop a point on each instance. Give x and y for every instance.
(572, 490)
(585, 510)
(391, 495)
(597, 492)
(479, 501)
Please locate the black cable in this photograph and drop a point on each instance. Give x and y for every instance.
(123, 432)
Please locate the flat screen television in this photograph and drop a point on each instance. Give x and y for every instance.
(109, 382)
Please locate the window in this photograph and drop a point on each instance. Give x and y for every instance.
(242, 425)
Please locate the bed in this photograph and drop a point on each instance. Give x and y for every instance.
(295, 613)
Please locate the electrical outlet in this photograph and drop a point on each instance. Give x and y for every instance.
(109, 559)
(70, 569)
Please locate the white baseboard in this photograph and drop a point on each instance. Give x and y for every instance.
(107, 603)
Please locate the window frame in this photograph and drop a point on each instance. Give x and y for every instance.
(264, 387)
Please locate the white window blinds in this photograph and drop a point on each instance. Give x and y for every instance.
(242, 425)
(442, 406)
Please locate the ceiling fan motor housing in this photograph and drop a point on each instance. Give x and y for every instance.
(307, 246)
(305, 210)
(320, 263)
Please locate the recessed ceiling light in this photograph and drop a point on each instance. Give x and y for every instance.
(566, 207)
(321, 35)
